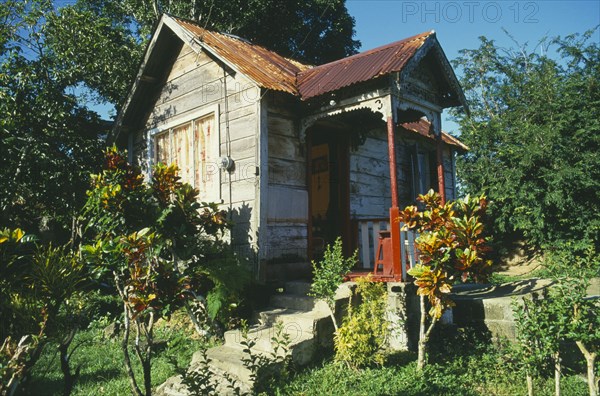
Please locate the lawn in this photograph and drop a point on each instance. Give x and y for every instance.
(467, 367)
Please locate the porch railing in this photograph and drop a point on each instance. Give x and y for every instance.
(376, 232)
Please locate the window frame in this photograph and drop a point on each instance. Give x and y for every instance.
(177, 122)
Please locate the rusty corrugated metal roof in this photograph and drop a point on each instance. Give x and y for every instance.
(423, 126)
(266, 68)
(359, 68)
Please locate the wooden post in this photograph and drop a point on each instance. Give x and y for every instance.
(396, 248)
(392, 161)
(394, 211)
(440, 167)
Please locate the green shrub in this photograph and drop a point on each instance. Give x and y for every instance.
(360, 339)
(328, 275)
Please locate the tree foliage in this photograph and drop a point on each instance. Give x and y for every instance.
(101, 42)
(534, 137)
(49, 141)
(313, 31)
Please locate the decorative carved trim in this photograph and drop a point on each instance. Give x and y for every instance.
(433, 116)
(381, 104)
(432, 44)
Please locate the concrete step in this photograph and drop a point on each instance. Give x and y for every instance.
(297, 287)
(305, 303)
(298, 303)
(263, 337)
(228, 358)
(290, 318)
(306, 321)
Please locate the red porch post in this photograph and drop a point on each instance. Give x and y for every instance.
(394, 211)
(440, 167)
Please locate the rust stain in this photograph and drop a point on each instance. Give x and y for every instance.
(273, 71)
(268, 69)
(360, 67)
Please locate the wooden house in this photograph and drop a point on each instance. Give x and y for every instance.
(298, 154)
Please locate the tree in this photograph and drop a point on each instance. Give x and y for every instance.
(312, 31)
(534, 135)
(57, 61)
(101, 42)
(49, 141)
(451, 246)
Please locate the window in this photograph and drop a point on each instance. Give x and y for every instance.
(424, 171)
(194, 147)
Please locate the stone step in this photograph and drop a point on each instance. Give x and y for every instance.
(306, 320)
(306, 303)
(290, 318)
(263, 337)
(297, 288)
(299, 303)
(228, 358)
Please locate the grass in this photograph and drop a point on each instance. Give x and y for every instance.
(476, 375)
(99, 360)
(463, 363)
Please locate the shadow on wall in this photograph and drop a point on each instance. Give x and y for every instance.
(241, 236)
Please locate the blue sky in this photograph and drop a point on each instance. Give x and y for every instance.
(458, 24)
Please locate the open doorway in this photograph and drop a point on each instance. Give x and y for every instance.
(328, 178)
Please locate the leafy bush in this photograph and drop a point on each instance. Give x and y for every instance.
(360, 339)
(451, 245)
(159, 247)
(329, 273)
(36, 285)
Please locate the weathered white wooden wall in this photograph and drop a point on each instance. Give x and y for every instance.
(287, 214)
(370, 195)
(195, 85)
(370, 175)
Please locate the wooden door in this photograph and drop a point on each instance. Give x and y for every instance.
(328, 179)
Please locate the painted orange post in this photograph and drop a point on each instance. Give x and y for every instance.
(440, 168)
(394, 211)
(392, 161)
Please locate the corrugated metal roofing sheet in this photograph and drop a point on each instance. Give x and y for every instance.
(266, 68)
(359, 68)
(422, 128)
(273, 71)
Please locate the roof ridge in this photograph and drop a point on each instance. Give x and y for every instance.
(373, 50)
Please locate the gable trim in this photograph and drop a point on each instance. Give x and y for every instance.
(432, 44)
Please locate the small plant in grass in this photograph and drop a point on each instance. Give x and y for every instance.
(451, 246)
(202, 380)
(267, 370)
(563, 313)
(328, 275)
(360, 339)
(573, 267)
(537, 345)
